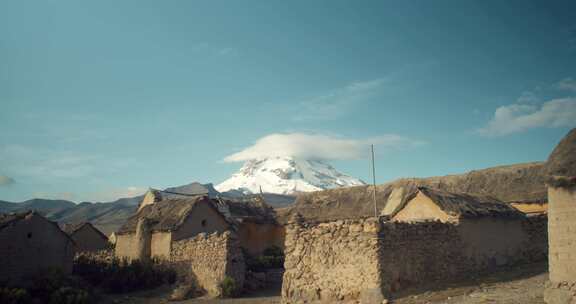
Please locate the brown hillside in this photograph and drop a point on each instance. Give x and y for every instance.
(513, 183)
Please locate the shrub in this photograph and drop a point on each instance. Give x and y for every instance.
(228, 287)
(117, 276)
(271, 258)
(14, 296)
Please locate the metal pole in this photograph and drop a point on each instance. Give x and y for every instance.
(374, 181)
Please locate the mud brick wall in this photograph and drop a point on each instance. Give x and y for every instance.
(562, 243)
(208, 259)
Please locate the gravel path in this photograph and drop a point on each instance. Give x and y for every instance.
(521, 285)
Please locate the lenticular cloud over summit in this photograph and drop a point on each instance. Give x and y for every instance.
(317, 146)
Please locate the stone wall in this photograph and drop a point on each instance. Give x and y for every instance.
(331, 262)
(208, 259)
(369, 260)
(562, 241)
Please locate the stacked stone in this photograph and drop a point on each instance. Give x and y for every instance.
(332, 262)
(207, 259)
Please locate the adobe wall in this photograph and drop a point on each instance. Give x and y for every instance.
(161, 244)
(126, 246)
(204, 219)
(255, 238)
(562, 242)
(207, 259)
(31, 245)
(368, 260)
(87, 239)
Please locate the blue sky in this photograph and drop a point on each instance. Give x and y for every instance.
(102, 99)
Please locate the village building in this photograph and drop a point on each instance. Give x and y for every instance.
(431, 236)
(168, 221)
(31, 244)
(427, 204)
(561, 167)
(86, 237)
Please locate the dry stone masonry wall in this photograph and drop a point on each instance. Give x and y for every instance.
(367, 260)
(331, 262)
(208, 259)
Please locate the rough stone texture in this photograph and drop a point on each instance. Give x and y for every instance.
(331, 262)
(562, 243)
(207, 259)
(367, 260)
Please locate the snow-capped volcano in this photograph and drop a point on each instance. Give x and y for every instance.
(286, 175)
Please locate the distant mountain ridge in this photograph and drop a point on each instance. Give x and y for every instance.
(109, 216)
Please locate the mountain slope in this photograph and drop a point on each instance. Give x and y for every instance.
(286, 175)
(512, 183)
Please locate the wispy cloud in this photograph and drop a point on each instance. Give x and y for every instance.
(338, 102)
(318, 146)
(519, 117)
(567, 84)
(6, 180)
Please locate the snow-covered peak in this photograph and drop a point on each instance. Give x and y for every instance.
(286, 175)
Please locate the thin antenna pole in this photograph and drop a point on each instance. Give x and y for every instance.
(374, 182)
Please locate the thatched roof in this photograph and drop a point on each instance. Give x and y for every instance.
(464, 205)
(170, 213)
(8, 219)
(166, 215)
(71, 228)
(562, 161)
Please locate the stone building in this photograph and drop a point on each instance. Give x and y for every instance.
(561, 167)
(427, 204)
(167, 221)
(87, 237)
(29, 244)
(370, 259)
(206, 236)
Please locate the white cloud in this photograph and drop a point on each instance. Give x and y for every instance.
(339, 101)
(521, 117)
(567, 84)
(317, 146)
(6, 180)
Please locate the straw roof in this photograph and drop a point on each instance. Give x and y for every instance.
(72, 228)
(7, 220)
(562, 161)
(170, 213)
(464, 205)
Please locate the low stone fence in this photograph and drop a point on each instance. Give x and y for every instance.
(208, 259)
(368, 260)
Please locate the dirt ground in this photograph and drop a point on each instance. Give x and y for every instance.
(521, 285)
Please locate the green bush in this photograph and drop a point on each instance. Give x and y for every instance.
(271, 258)
(14, 296)
(119, 276)
(228, 287)
(49, 286)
